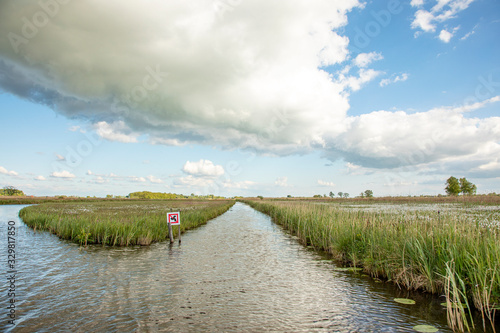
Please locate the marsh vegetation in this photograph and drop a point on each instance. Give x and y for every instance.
(448, 249)
(119, 223)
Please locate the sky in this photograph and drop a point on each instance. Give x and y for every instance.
(249, 97)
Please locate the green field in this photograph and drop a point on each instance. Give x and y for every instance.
(119, 222)
(450, 249)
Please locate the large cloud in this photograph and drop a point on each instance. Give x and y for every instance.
(241, 75)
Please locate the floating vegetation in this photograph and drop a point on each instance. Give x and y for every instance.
(425, 328)
(119, 223)
(404, 301)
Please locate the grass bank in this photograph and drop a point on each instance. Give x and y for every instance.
(119, 223)
(446, 249)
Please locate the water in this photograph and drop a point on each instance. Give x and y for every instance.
(240, 272)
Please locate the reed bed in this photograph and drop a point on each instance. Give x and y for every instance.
(120, 223)
(447, 250)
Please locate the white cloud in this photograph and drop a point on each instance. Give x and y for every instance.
(417, 3)
(445, 36)
(467, 35)
(40, 178)
(100, 180)
(137, 179)
(325, 183)
(89, 173)
(154, 179)
(6, 172)
(442, 11)
(192, 181)
(364, 59)
(385, 139)
(115, 131)
(423, 20)
(62, 174)
(281, 182)
(60, 157)
(203, 168)
(393, 79)
(355, 83)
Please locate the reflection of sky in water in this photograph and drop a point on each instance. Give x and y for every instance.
(239, 272)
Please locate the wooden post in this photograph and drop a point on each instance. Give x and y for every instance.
(170, 234)
(179, 233)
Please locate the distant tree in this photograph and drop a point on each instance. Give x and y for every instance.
(331, 194)
(362, 195)
(341, 194)
(12, 191)
(317, 196)
(466, 187)
(260, 197)
(289, 196)
(452, 186)
(346, 195)
(369, 193)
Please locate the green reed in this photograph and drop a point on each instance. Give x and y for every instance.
(450, 253)
(119, 223)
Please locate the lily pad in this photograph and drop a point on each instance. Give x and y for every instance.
(425, 328)
(404, 301)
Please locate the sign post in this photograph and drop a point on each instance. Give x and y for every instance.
(174, 218)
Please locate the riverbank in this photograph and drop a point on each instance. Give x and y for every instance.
(437, 250)
(120, 223)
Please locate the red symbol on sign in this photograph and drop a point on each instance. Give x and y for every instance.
(174, 218)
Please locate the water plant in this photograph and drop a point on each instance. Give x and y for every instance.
(119, 223)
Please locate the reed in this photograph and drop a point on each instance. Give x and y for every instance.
(445, 249)
(119, 223)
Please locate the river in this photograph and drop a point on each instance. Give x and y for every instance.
(238, 273)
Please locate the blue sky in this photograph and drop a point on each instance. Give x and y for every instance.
(249, 97)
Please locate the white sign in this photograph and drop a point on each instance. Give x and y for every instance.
(174, 218)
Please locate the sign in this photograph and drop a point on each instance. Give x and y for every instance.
(174, 218)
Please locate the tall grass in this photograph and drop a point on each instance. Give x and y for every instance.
(119, 223)
(457, 255)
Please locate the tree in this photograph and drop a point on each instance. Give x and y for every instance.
(346, 195)
(331, 194)
(361, 195)
(452, 186)
(341, 194)
(466, 187)
(12, 191)
(369, 193)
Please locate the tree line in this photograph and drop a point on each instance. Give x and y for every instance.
(160, 195)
